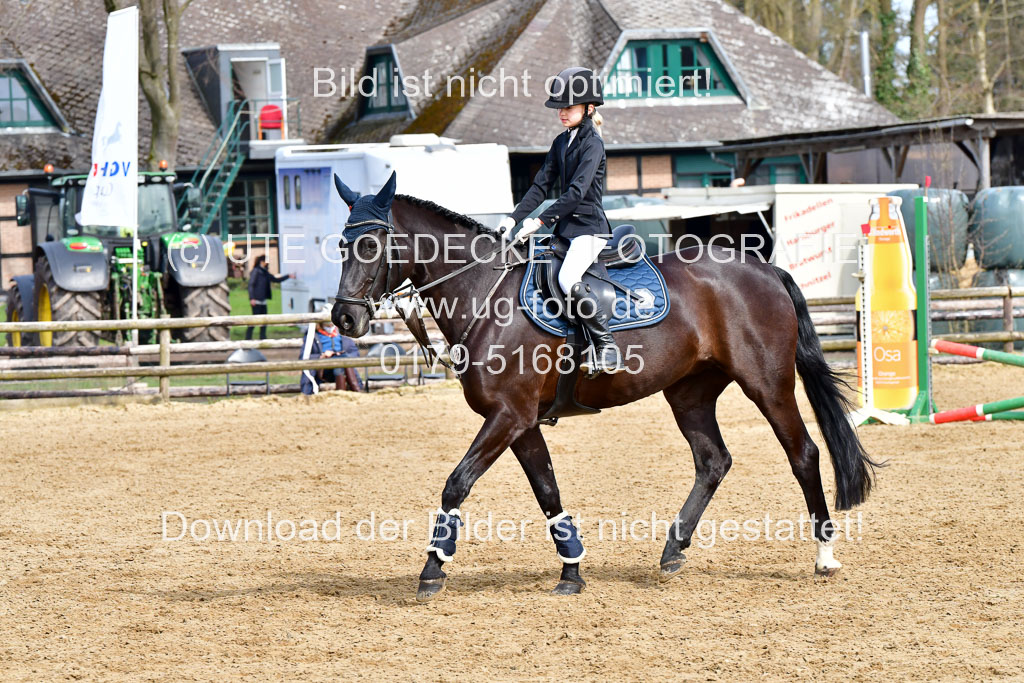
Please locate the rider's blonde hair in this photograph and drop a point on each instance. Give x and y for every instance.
(596, 118)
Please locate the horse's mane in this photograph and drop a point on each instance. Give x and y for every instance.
(453, 216)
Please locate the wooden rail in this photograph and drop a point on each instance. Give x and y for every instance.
(836, 310)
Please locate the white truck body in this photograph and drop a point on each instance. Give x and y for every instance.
(471, 179)
(815, 227)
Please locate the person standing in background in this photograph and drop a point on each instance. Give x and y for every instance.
(260, 280)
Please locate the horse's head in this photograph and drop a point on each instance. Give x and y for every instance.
(365, 270)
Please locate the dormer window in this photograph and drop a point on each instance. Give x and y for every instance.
(21, 104)
(686, 67)
(386, 96)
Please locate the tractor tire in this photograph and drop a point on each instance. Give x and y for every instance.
(19, 309)
(204, 302)
(54, 303)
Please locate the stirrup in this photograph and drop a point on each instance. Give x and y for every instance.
(600, 362)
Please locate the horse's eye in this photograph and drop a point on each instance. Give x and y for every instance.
(368, 247)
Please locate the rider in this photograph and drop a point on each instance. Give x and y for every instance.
(576, 157)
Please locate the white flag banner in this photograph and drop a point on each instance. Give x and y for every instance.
(111, 191)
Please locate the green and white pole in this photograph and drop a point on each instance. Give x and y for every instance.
(923, 405)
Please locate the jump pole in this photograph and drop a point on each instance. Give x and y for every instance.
(1008, 415)
(923, 406)
(968, 351)
(982, 410)
(996, 410)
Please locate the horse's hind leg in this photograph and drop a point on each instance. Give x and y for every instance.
(533, 455)
(693, 404)
(776, 400)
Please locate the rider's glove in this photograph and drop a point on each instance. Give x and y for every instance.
(530, 226)
(506, 226)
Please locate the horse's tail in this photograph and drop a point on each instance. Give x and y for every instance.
(824, 387)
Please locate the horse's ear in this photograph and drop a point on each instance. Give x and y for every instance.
(387, 193)
(347, 195)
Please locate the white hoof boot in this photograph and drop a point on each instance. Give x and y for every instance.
(826, 564)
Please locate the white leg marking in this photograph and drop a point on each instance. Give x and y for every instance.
(825, 562)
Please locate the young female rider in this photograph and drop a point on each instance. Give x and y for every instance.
(577, 158)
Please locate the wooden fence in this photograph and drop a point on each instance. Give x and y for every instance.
(44, 363)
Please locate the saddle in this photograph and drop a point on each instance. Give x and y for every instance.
(622, 250)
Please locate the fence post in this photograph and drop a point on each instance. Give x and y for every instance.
(1008, 318)
(165, 361)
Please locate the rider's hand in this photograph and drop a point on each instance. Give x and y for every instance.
(506, 226)
(530, 226)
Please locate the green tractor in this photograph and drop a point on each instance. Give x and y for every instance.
(84, 272)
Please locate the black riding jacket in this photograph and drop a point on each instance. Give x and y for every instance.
(581, 169)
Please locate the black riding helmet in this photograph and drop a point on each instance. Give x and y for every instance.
(575, 85)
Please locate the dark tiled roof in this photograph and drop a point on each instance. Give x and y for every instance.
(787, 91)
(426, 14)
(469, 45)
(63, 42)
(563, 33)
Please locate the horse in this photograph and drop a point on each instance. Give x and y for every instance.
(731, 320)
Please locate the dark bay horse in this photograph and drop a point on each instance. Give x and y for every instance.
(732, 319)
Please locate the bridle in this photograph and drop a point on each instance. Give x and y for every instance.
(353, 231)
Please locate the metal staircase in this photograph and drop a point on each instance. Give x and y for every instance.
(220, 164)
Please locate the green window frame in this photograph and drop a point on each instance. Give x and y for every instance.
(697, 169)
(387, 96)
(685, 67)
(20, 105)
(779, 170)
(249, 208)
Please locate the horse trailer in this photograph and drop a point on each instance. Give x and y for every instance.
(472, 179)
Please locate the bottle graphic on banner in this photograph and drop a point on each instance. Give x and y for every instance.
(893, 305)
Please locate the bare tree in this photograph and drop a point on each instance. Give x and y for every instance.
(980, 48)
(918, 93)
(159, 77)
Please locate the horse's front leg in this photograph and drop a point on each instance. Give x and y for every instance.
(532, 453)
(499, 430)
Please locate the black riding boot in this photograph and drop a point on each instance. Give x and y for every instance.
(587, 309)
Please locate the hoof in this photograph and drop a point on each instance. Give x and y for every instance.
(430, 589)
(568, 587)
(671, 569)
(826, 571)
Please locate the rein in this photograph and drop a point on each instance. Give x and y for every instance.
(413, 320)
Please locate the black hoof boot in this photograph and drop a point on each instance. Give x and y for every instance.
(567, 587)
(671, 568)
(570, 582)
(431, 588)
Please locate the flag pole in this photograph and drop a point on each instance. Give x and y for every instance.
(133, 56)
(111, 193)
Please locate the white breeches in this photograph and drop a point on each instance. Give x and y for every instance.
(583, 251)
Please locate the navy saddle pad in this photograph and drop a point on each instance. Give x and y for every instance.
(648, 305)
